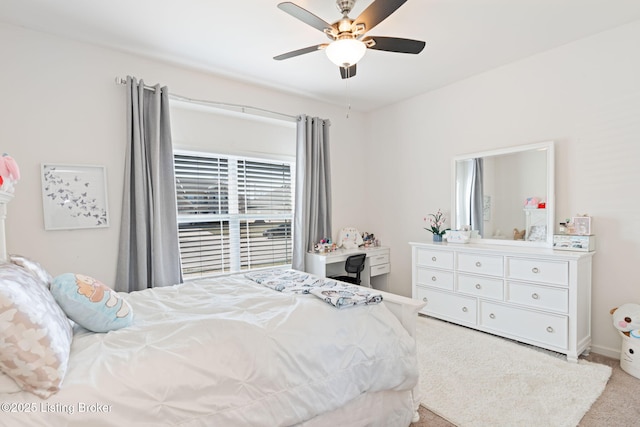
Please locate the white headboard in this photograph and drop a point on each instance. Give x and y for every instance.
(4, 199)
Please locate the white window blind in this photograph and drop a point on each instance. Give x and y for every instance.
(234, 213)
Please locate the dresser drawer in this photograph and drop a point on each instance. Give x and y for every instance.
(555, 272)
(486, 287)
(547, 329)
(377, 270)
(543, 297)
(436, 278)
(481, 264)
(379, 259)
(434, 258)
(457, 308)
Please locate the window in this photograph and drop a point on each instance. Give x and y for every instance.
(234, 213)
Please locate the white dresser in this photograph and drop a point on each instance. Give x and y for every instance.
(534, 295)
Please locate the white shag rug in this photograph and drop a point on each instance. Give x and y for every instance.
(475, 379)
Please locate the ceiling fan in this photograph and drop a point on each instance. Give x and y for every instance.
(349, 43)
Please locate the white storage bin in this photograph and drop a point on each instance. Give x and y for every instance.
(630, 355)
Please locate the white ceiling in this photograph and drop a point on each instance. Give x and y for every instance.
(239, 38)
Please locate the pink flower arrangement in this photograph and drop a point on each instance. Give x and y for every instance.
(436, 223)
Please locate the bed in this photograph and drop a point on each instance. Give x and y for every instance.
(229, 351)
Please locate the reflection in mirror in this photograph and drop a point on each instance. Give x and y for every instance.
(507, 195)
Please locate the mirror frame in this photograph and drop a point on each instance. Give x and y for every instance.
(549, 146)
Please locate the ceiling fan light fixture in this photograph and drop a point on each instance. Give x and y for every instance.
(346, 52)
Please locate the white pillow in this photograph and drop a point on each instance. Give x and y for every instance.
(34, 267)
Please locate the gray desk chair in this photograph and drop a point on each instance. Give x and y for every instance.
(353, 265)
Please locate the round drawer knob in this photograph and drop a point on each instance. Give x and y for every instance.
(535, 270)
(535, 296)
(425, 299)
(478, 264)
(492, 316)
(434, 278)
(434, 259)
(549, 329)
(478, 286)
(465, 309)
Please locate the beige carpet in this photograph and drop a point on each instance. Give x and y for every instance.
(475, 379)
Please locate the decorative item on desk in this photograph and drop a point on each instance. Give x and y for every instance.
(325, 246)
(368, 239)
(436, 225)
(349, 238)
(9, 173)
(581, 224)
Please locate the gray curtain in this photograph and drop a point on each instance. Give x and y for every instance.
(477, 197)
(312, 212)
(149, 253)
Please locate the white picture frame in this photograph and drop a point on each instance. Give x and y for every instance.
(581, 225)
(74, 196)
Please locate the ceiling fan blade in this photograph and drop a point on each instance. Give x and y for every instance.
(394, 44)
(377, 12)
(304, 15)
(300, 52)
(348, 72)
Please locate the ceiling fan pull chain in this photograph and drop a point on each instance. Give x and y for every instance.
(347, 97)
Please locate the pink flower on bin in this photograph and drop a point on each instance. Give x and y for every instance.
(9, 168)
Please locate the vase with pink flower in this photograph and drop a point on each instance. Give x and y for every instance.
(435, 224)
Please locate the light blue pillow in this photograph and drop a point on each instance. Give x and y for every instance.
(90, 303)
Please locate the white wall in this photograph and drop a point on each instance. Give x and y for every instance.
(222, 132)
(60, 104)
(584, 95)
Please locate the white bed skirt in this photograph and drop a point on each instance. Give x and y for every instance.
(379, 409)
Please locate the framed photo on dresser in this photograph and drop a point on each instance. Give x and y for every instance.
(582, 225)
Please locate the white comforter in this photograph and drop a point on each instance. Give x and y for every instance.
(224, 352)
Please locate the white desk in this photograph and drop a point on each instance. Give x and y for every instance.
(376, 264)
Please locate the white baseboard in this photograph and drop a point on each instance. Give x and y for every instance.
(606, 351)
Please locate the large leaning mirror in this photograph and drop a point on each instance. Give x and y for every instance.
(507, 194)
